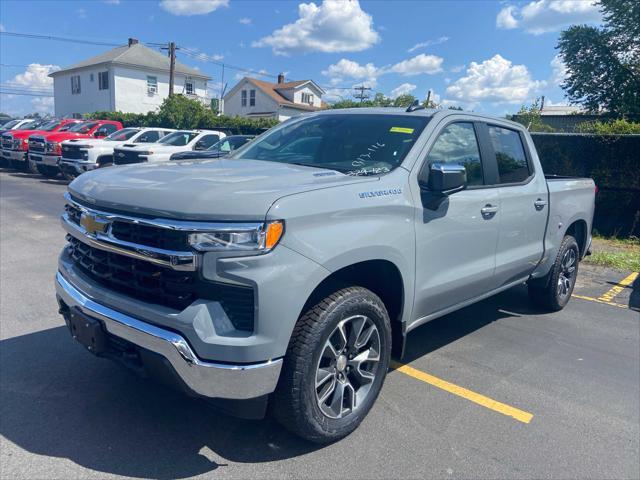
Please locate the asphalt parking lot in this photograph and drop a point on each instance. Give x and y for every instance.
(496, 390)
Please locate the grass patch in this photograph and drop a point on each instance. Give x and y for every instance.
(622, 254)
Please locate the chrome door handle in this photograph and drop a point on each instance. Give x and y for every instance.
(540, 204)
(488, 210)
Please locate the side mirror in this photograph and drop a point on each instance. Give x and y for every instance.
(199, 146)
(101, 132)
(444, 179)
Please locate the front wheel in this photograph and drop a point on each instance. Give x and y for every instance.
(335, 366)
(554, 290)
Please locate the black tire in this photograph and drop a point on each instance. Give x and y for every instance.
(32, 167)
(48, 171)
(553, 291)
(296, 404)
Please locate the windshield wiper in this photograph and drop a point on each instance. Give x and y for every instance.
(316, 166)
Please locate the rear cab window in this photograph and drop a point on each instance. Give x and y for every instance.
(513, 165)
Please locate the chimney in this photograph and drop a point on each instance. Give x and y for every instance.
(281, 78)
(133, 41)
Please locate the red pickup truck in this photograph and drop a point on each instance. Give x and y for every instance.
(45, 151)
(15, 143)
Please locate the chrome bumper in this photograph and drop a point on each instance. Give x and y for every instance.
(213, 380)
(17, 155)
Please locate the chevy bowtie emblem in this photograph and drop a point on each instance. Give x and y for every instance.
(93, 224)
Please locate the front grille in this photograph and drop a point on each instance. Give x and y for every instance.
(160, 285)
(163, 238)
(36, 145)
(7, 142)
(73, 152)
(126, 157)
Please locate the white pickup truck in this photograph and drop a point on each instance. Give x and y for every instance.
(179, 141)
(84, 154)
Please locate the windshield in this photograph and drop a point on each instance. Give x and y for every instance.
(122, 135)
(47, 127)
(83, 127)
(355, 144)
(228, 144)
(10, 124)
(178, 139)
(30, 125)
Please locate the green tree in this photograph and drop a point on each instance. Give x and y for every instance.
(178, 111)
(529, 116)
(603, 64)
(404, 100)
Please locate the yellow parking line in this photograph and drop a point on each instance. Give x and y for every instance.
(509, 411)
(597, 300)
(619, 287)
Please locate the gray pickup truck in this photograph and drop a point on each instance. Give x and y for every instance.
(286, 274)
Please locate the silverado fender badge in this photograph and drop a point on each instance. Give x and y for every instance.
(380, 193)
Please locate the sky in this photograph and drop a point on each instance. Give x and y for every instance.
(486, 56)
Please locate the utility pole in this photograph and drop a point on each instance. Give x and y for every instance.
(362, 96)
(172, 66)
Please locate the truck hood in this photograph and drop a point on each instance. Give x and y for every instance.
(93, 141)
(212, 190)
(26, 133)
(154, 147)
(61, 136)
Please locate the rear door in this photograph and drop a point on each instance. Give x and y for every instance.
(456, 239)
(524, 209)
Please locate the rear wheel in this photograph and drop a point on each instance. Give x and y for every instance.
(554, 290)
(48, 171)
(335, 366)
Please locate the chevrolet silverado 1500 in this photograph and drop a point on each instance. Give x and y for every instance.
(45, 151)
(82, 155)
(290, 270)
(180, 141)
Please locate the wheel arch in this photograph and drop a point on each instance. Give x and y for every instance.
(383, 278)
(578, 230)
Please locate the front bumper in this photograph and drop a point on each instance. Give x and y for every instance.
(76, 167)
(43, 159)
(15, 155)
(208, 379)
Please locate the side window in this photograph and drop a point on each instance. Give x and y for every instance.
(457, 144)
(206, 141)
(103, 80)
(243, 98)
(152, 85)
(226, 146)
(252, 98)
(148, 137)
(75, 85)
(512, 161)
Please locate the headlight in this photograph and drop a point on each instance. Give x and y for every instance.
(258, 237)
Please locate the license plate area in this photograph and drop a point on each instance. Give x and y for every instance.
(87, 331)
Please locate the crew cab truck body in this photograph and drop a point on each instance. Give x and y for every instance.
(15, 144)
(178, 141)
(82, 155)
(289, 271)
(45, 151)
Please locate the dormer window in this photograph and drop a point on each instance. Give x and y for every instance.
(307, 98)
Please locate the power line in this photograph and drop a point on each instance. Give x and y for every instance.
(59, 39)
(203, 57)
(28, 93)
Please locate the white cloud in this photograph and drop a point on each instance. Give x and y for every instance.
(403, 89)
(195, 52)
(428, 43)
(36, 79)
(112, 2)
(348, 69)
(245, 21)
(541, 16)
(559, 70)
(505, 18)
(192, 7)
(422, 63)
(334, 26)
(81, 13)
(2, 28)
(495, 80)
(457, 69)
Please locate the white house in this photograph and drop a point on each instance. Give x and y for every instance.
(282, 100)
(131, 78)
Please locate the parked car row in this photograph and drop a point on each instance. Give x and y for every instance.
(71, 147)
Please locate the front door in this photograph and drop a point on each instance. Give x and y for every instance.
(456, 241)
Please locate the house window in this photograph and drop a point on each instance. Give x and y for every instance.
(188, 86)
(252, 98)
(307, 98)
(91, 77)
(75, 84)
(243, 98)
(152, 85)
(103, 80)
